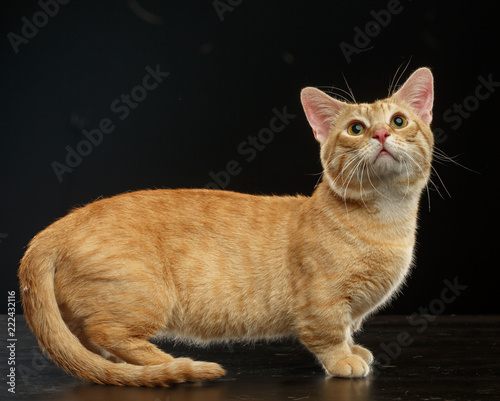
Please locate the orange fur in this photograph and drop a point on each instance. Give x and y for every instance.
(209, 265)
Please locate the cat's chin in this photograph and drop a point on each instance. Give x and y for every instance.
(386, 164)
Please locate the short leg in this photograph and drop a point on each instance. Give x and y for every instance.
(139, 351)
(363, 353)
(75, 325)
(97, 350)
(331, 343)
(129, 348)
(358, 349)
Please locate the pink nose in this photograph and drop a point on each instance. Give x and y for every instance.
(381, 134)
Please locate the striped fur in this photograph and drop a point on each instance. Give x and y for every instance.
(204, 265)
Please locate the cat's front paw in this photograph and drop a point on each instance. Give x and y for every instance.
(363, 353)
(349, 367)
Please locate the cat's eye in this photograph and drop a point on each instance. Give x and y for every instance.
(398, 121)
(356, 128)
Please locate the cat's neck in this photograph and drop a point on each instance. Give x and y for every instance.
(378, 203)
(398, 212)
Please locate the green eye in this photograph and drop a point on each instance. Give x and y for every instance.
(356, 128)
(398, 121)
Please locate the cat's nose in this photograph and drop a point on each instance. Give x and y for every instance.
(381, 135)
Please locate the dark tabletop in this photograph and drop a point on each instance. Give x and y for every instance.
(418, 358)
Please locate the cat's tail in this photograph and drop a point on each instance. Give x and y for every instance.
(42, 313)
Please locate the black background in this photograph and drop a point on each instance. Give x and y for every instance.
(228, 71)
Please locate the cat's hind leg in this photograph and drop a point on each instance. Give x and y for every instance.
(131, 349)
(76, 327)
(98, 350)
(129, 342)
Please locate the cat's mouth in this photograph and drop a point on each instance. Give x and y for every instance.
(384, 154)
(386, 161)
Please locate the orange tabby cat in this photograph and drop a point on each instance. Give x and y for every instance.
(209, 265)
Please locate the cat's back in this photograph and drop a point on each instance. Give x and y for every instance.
(160, 217)
(189, 206)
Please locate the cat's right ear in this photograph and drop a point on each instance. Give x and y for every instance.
(321, 110)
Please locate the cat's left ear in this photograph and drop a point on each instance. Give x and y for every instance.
(418, 93)
(321, 111)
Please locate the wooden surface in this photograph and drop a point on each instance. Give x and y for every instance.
(422, 358)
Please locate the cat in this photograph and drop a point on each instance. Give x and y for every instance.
(207, 265)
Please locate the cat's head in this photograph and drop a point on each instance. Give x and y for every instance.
(378, 148)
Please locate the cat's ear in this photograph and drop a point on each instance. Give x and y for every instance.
(321, 110)
(418, 93)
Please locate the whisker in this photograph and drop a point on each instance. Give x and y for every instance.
(320, 176)
(319, 180)
(331, 91)
(393, 86)
(426, 184)
(345, 182)
(364, 168)
(350, 177)
(428, 195)
(373, 186)
(440, 180)
(344, 168)
(442, 156)
(407, 182)
(430, 179)
(361, 186)
(348, 87)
